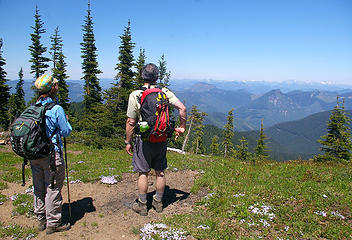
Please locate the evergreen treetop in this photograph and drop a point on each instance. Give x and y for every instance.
(337, 144)
(59, 69)
(139, 66)
(39, 62)
(228, 134)
(92, 89)
(164, 75)
(125, 75)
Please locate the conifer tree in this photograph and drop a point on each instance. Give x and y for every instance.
(139, 66)
(125, 73)
(214, 147)
(241, 152)
(92, 89)
(164, 75)
(261, 148)
(228, 134)
(37, 50)
(17, 103)
(337, 144)
(59, 68)
(196, 127)
(4, 92)
(117, 96)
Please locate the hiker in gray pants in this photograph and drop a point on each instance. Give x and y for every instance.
(47, 198)
(147, 155)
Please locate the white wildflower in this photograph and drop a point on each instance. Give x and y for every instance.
(14, 197)
(321, 213)
(108, 179)
(238, 195)
(324, 196)
(80, 162)
(150, 230)
(209, 196)
(264, 222)
(175, 169)
(201, 171)
(287, 228)
(203, 227)
(75, 181)
(337, 214)
(29, 190)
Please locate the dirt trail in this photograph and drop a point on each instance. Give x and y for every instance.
(103, 211)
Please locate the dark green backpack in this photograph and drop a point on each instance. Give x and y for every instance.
(28, 137)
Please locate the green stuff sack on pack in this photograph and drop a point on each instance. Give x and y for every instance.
(28, 137)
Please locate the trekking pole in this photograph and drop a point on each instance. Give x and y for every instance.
(68, 183)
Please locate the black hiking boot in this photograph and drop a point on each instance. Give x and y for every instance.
(140, 208)
(61, 228)
(42, 225)
(157, 205)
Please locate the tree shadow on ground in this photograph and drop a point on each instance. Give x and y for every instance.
(171, 195)
(78, 209)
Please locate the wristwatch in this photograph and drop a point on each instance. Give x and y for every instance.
(127, 142)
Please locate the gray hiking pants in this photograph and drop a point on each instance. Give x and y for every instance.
(47, 201)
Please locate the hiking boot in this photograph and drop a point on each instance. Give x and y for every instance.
(140, 208)
(157, 205)
(61, 228)
(42, 225)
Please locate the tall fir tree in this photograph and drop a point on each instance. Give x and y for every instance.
(117, 96)
(228, 134)
(337, 144)
(261, 148)
(92, 89)
(241, 153)
(4, 92)
(139, 66)
(17, 103)
(37, 50)
(164, 75)
(59, 68)
(195, 128)
(214, 147)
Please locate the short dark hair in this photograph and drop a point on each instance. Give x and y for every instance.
(150, 73)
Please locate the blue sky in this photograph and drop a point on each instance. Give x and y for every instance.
(270, 40)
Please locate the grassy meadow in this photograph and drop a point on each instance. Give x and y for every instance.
(271, 200)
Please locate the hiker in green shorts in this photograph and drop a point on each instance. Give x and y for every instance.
(149, 150)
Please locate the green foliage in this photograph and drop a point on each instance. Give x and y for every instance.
(126, 60)
(164, 75)
(241, 153)
(88, 164)
(92, 89)
(39, 62)
(195, 129)
(214, 147)
(15, 231)
(261, 148)
(4, 93)
(3, 197)
(96, 129)
(23, 205)
(10, 165)
(139, 66)
(59, 69)
(337, 144)
(228, 134)
(17, 104)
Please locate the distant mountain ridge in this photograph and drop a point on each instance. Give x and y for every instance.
(250, 107)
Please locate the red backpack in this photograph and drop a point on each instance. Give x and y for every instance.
(155, 111)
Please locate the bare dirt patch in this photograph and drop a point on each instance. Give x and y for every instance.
(102, 211)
